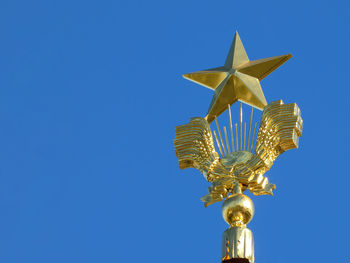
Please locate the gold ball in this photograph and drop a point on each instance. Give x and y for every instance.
(238, 210)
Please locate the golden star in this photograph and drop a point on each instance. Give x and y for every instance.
(238, 80)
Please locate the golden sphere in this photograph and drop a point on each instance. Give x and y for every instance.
(238, 210)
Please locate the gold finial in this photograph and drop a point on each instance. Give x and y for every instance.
(242, 166)
(239, 79)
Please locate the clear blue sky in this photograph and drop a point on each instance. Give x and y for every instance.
(90, 93)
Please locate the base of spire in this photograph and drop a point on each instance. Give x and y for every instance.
(238, 245)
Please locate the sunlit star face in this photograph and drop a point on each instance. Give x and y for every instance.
(238, 80)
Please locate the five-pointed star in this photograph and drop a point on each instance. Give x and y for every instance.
(239, 79)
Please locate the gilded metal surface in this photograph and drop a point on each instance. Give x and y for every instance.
(240, 166)
(280, 128)
(237, 210)
(239, 79)
(238, 242)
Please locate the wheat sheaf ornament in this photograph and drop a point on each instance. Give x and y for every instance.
(243, 157)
